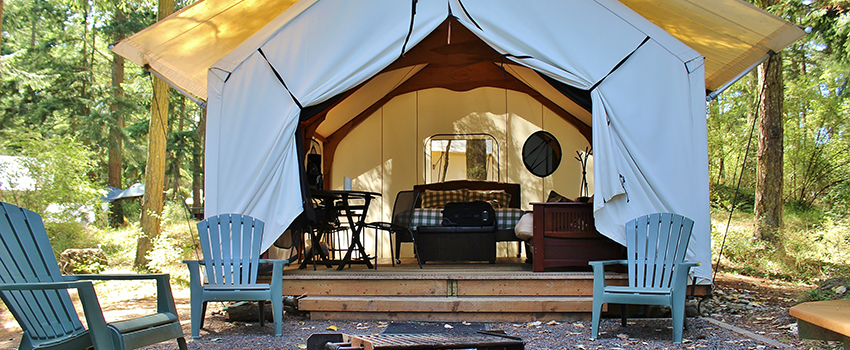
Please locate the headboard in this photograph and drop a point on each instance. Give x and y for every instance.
(513, 189)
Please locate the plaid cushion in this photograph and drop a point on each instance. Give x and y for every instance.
(506, 218)
(438, 199)
(496, 198)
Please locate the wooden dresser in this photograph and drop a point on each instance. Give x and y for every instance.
(565, 235)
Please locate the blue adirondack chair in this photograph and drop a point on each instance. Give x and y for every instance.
(231, 248)
(36, 293)
(658, 272)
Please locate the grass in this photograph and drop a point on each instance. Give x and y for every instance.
(815, 246)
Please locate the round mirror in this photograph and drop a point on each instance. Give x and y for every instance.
(541, 153)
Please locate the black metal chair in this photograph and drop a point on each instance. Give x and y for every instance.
(400, 224)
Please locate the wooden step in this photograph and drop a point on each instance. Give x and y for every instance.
(446, 304)
(444, 284)
(507, 309)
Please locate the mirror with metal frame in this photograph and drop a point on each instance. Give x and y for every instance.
(541, 153)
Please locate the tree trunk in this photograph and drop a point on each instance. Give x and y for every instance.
(768, 198)
(446, 153)
(116, 144)
(177, 152)
(155, 167)
(476, 159)
(198, 163)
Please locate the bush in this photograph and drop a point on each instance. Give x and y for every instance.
(59, 167)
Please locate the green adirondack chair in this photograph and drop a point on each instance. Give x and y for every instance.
(658, 272)
(36, 293)
(231, 248)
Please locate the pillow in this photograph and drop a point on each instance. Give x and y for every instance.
(555, 197)
(496, 198)
(438, 199)
(524, 229)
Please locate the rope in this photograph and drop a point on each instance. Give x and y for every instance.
(740, 176)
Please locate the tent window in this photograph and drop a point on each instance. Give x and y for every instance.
(461, 157)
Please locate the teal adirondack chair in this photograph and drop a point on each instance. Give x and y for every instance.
(231, 248)
(36, 293)
(658, 272)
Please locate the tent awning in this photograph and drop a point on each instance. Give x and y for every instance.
(732, 35)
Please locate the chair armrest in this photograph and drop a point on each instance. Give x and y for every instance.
(681, 274)
(607, 262)
(118, 277)
(164, 298)
(599, 271)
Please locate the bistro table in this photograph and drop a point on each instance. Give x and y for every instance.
(351, 205)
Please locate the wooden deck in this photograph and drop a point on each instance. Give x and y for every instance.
(507, 291)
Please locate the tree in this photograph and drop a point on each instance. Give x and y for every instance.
(769, 168)
(155, 169)
(115, 168)
(768, 199)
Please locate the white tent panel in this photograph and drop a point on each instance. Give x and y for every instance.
(651, 148)
(252, 161)
(336, 45)
(588, 42)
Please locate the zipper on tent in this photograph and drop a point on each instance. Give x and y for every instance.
(410, 30)
(619, 64)
(276, 74)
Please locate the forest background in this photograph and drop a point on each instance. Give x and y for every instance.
(79, 119)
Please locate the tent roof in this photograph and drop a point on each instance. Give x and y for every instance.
(731, 34)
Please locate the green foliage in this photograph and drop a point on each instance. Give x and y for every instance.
(59, 166)
(814, 246)
(70, 235)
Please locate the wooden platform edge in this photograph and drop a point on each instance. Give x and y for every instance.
(450, 317)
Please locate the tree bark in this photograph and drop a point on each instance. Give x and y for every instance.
(198, 163)
(769, 172)
(116, 144)
(155, 168)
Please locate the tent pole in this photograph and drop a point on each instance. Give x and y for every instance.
(199, 102)
(719, 91)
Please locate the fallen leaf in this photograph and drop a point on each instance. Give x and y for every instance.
(332, 328)
(302, 346)
(552, 323)
(447, 326)
(623, 336)
(579, 325)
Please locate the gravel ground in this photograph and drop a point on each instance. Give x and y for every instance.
(640, 334)
(745, 313)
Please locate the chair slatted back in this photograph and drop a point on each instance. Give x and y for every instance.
(656, 243)
(231, 248)
(403, 208)
(26, 256)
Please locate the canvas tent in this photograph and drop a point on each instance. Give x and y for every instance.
(647, 89)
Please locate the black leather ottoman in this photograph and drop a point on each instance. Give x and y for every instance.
(456, 243)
